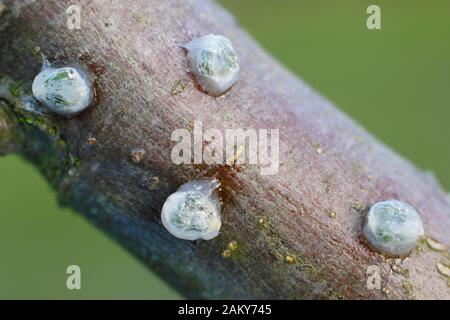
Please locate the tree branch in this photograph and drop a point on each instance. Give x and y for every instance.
(288, 243)
(10, 137)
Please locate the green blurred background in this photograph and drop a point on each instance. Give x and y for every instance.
(394, 81)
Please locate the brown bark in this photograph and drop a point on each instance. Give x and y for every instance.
(328, 163)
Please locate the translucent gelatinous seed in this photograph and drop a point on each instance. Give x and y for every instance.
(214, 63)
(193, 211)
(66, 91)
(393, 227)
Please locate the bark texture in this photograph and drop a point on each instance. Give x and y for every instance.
(289, 242)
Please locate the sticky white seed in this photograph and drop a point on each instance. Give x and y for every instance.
(193, 211)
(67, 90)
(393, 227)
(213, 62)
